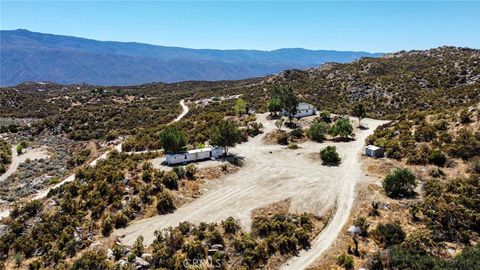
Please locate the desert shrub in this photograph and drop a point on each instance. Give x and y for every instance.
(325, 116)
(424, 133)
(254, 128)
(180, 172)
(317, 131)
(296, 133)
(79, 158)
(230, 225)
(165, 203)
(464, 116)
(475, 165)
(436, 157)
(400, 183)
(190, 171)
(465, 145)
(346, 261)
(330, 156)
(282, 138)
(107, 226)
(389, 234)
(170, 180)
(419, 156)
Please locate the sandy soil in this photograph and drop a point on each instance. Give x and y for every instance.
(272, 173)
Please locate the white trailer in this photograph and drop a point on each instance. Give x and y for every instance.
(194, 155)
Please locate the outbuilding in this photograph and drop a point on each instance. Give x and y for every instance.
(213, 152)
(303, 109)
(374, 151)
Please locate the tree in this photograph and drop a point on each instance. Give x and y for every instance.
(274, 105)
(317, 131)
(399, 183)
(279, 123)
(173, 140)
(240, 106)
(360, 112)
(389, 234)
(288, 100)
(225, 134)
(342, 128)
(330, 156)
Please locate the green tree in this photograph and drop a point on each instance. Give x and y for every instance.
(359, 112)
(389, 234)
(240, 106)
(288, 100)
(165, 203)
(330, 156)
(274, 105)
(342, 128)
(317, 131)
(400, 183)
(173, 140)
(225, 134)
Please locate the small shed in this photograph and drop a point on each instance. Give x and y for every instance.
(374, 151)
(194, 155)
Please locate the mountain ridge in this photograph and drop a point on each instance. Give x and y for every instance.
(33, 56)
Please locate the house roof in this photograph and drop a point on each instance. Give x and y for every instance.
(372, 147)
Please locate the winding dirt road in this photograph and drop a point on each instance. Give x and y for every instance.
(272, 173)
(44, 192)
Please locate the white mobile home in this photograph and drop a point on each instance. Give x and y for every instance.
(303, 109)
(374, 151)
(193, 155)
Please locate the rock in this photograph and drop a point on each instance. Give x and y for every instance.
(95, 245)
(3, 229)
(217, 246)
(354, 230)
(122, 262)
(141, 263)
(110, 254)
(146, 256)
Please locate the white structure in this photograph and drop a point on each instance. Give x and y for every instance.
(374, 151)
(303, 109)
(194, 155)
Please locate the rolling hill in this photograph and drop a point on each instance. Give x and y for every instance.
(31, 56)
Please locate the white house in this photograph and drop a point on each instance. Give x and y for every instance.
(303, 109)
(194, 155)
(374, 151)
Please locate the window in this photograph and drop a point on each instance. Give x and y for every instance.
(185, 156)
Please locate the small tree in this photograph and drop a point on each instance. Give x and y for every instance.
(342, 128)
(330, 156)
(240, 106)
(279, 123)
(389, 234)
(173, 140)
(107, 226)
(360, 112)
(225, 134)
(317, 131)
(274, 105)
(399, 183)
(288, 100)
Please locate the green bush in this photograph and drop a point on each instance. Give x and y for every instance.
(190, 171)
(330, 156)
(165, 203)
(389, 234)
(345, 261)
(400, 183)
(296, 133)
(317, 131)
(436, 157)
(170, 180)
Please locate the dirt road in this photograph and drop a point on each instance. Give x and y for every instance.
(44, 192)
(273, 173)
(31, 154)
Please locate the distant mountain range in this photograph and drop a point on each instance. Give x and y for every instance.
(32, 56)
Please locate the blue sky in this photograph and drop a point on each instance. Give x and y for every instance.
(382, 26)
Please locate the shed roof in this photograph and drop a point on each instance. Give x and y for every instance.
(372, 147)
